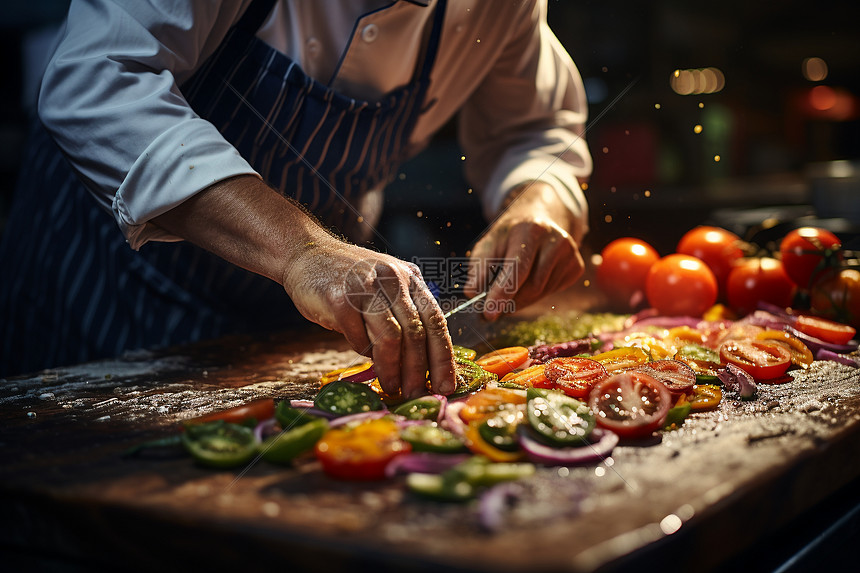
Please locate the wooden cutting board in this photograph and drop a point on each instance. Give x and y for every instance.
(731, 475)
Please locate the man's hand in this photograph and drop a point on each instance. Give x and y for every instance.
(378, 302)
(382, 307)
(532, 237)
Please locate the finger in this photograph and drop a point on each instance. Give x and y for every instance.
(558, 266)
(439, 349)
(480, 273)
(520, 255)
(384, 333)
(413, 348)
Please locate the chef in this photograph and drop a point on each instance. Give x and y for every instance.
(241, 148)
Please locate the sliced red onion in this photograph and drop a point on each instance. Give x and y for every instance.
(777, 310)
(362, 417)
(816, 344)
(738, 380)
(642, 314)
(423, 462)
(311, 410)
(494, 503)
(669, 321)
(542, 353)
(363, 376)
(443, 405)
(601, 445)
(824, 354)
(452, 421)
(766, 319)
(263, 427)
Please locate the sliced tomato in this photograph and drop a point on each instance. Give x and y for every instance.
(488, 401)
(533, 376)
(249, 413)
(677, 376)
(478, 445)
(621, 358)
(360, 453)
(705, 397)
(826, 330)
(575, 376)
(761, 360)
(632, 404)
(504, 360)
(801, 356)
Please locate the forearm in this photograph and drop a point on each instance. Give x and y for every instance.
(247, 223)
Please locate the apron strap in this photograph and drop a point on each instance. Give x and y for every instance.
(433, 41)
(255, 15)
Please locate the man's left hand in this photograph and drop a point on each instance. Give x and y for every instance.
(528, 252)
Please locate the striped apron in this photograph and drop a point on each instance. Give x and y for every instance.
(73, 291)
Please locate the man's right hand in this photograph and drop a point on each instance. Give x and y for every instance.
(383, 308)
(379, 303)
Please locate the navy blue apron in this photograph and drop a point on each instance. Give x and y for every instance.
(72, 289)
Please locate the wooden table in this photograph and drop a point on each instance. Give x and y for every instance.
(700, 495)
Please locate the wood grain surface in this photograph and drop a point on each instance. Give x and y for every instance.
(67, 492)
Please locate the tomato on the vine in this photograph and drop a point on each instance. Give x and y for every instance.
(681, 285)
(718, 248)
(632, 404)
(836, 295)
(803, 250)
(624, 266)
(757, 280)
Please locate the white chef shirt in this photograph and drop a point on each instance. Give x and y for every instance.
(110, 94)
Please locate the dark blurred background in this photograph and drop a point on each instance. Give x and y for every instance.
(738, 113)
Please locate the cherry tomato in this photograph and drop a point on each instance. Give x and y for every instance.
(717, 247)
(252, 412)
(705, 397)
(632, 404)
(503, 360)
(804, 249)
(574, 376)
(826, 330)
(761, 360)
(681, 285)
(758, 280)
(836, 295)
(488, 401)
(532, 376)
(625, 264)
(800, 354)
(362, 452)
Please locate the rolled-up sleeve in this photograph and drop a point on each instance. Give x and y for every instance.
(111, 101)
(526, 121)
